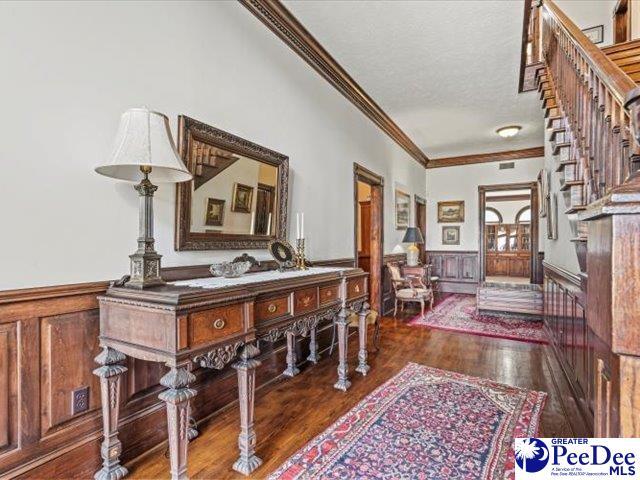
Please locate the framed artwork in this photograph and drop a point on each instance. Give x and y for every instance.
(242, 197)
(451, 235)
(283, 253)
(403, 210)
(451, 212)
(214, 215)
(552, 217)
(543, 190)
(595, 34)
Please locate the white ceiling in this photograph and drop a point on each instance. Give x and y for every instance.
(445, 71)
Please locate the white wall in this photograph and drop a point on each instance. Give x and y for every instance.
(591, 13)
(461, 183)
(70, 69)
(509, 209)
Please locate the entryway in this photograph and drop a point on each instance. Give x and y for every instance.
(368, 233)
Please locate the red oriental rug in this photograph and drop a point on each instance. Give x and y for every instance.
(424, 423)
(457, 313)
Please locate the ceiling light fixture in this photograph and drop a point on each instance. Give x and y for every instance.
(508, 132)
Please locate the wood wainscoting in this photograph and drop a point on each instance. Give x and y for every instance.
(458, 270)
(571, 338)
(50, 417)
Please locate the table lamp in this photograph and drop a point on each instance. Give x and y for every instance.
(144, 152)
(413, 235)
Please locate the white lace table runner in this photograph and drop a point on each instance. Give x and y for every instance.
(249, 278)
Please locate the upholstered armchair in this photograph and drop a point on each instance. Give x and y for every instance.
(410, 288)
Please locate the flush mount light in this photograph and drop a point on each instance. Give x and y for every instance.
(510, 131)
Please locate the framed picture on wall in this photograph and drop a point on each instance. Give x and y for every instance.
(451, 235)
(595, 34)
(242, 198)
(403, 210)
(543, 189)
(451, 212)
(214, 215)
(552, 217)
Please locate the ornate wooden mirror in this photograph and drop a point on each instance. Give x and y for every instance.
(238, 196)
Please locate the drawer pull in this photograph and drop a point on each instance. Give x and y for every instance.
(272, 308)
(219, 324)
(356, 289)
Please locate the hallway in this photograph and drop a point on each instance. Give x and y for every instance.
(290, 412)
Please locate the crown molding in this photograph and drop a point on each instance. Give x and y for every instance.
(486, 157)
(282, 22)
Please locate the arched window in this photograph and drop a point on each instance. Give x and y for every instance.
(491, 215)
(524, 215)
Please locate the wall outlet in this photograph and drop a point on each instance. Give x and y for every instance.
(79, 400)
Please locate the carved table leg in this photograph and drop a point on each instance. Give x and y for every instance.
(110, 374)
(343, 382)
(314, 356)
(291, 370)
(363, 368)
(192, 429)
(177, 398)
(247, 461)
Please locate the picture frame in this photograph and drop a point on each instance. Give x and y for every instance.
(552, 217)
(403, 210)
(242, 198)
(451, 211)
(543, 190)
(451, 235)
(214, 214)
(595, 34)
(283, 253)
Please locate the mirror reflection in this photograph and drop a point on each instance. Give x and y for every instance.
(231, 193)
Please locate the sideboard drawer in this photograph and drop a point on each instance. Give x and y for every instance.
(215, 324)
(305, 300)
(272, 308)
(355, 288)
(329, 294)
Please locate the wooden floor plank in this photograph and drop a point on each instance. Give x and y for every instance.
(290, 412)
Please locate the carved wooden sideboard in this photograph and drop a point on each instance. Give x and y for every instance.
(210, 322)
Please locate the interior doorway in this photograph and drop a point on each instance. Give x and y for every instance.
(508, 233)
(368, 234)
(421, 223)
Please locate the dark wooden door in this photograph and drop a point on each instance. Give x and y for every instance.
(421, 223)
(264, 206)
(364, 251)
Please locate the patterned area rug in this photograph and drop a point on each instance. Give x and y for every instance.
(423, 423)
(457, 313)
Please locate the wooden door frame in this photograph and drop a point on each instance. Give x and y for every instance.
(482, 202)
(362, 174)
(418, 200)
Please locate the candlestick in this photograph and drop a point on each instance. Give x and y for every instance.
(269, 224)
(301, 262)
(253, 223)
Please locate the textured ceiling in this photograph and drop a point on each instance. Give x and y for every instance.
(445, 71)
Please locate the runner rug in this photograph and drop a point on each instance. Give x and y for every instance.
(424, 423)
(457, 313)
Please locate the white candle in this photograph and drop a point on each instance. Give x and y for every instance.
(302, 225)
(253, 223)
(269, 224)
(297, 226)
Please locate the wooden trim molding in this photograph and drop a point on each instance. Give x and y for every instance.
(486, 157)
(508, 198)
(289, 29)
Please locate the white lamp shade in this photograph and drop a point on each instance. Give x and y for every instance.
(144, 140)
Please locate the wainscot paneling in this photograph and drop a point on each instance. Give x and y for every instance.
(458, 270)
(48, 340)
(571, 339)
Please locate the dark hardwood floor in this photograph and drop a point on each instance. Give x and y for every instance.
(290, 412)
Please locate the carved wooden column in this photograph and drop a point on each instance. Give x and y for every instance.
(343, 382)
(291, 370)
(177, 398)
(247, 461)
(314, 356)
(110, 374)
(363, 368)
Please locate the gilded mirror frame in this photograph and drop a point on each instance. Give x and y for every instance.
(190, 129)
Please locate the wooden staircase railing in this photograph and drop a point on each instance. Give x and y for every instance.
(589, 103)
